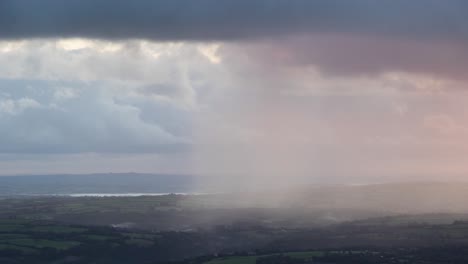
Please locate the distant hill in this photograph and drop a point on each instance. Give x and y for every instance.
(94, 183)
(399, 198)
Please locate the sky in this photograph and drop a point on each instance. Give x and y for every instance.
(269, 91)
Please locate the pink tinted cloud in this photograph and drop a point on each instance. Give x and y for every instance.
(366, 55)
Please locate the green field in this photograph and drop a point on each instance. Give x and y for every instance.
(252, 259)
(57, 229)
(97, 237)
(31, 236)
(24, 250)
(234, 260)
(10, 228)
(12, 236)
(43, 243)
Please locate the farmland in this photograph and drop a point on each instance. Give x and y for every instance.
(196, 230)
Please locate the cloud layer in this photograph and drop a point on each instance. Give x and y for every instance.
(230, 19)
(309, 89)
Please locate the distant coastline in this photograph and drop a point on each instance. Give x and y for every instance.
(124, 194)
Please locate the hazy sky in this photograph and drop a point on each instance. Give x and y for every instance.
(288, 90)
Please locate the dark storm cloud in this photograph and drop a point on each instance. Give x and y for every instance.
(229, 19)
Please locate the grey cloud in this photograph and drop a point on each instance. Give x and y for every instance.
(229, 19)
